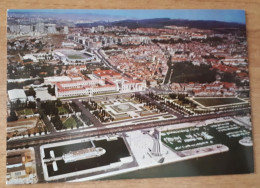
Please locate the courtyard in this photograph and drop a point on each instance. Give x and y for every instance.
(124, 107)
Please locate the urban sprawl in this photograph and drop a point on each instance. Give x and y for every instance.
(91, 101)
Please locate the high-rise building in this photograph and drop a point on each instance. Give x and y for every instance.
(100, 28)
(39, 27)
(66, 30)
(26, 28)
(92, 30)
(51, 28)
(14, 28)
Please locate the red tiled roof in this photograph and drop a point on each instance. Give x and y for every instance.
(106, 73)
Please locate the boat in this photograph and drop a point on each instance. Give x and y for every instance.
(83, 154)
(247, 141)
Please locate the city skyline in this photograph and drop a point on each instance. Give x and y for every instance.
(232, 16)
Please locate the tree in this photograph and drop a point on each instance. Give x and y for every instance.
(184, 72)
(172, 95)
(55, 111)
(49, 88)
(12, 76)
(32, 105)
(33, 73)
(12, 117)
(18, 103)
(58, 71)
(228, 77)
(148, 83)
(58, 102)
(57, 122)
(31, 92)
(181, 97)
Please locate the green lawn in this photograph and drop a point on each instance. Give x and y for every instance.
(62, 110)
(106, 93)
(217, 101)
(75, 56)
(168, 116)
(70, 122)
(26, 111)
(73, 97)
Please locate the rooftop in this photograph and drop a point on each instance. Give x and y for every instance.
(16, 94)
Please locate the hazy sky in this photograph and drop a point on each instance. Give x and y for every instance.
(237, 16)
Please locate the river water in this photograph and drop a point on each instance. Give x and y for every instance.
(115, 149)
(238, 160)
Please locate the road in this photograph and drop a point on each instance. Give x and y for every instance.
(103, 59)
(107, 63)
(87, 113)
(45, 119)
(68, 135)
(38, 164)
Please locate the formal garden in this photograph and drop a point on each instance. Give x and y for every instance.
(199, 105)
(122, 107)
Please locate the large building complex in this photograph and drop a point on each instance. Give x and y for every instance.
(102, 81)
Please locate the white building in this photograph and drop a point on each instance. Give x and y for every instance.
(128, 85)
(97, 85)
(60, 56)
(198, 36)
(26, 29)
(53, 79)
(66, 30)
(39, 27)
(51, 28)
(37, 56)
(16, 94)
(83, 87)
(88, 87)
(68, 44)
(31, 57)
(100, 28)
(14, 28)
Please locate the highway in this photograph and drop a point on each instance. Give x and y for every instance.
(73, 134)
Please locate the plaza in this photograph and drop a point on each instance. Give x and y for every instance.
(124, 107)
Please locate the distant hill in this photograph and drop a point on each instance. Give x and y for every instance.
(161, 22)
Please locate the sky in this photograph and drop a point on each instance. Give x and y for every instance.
(237, 16)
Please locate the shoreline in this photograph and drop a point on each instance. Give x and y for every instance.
(98, 177)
